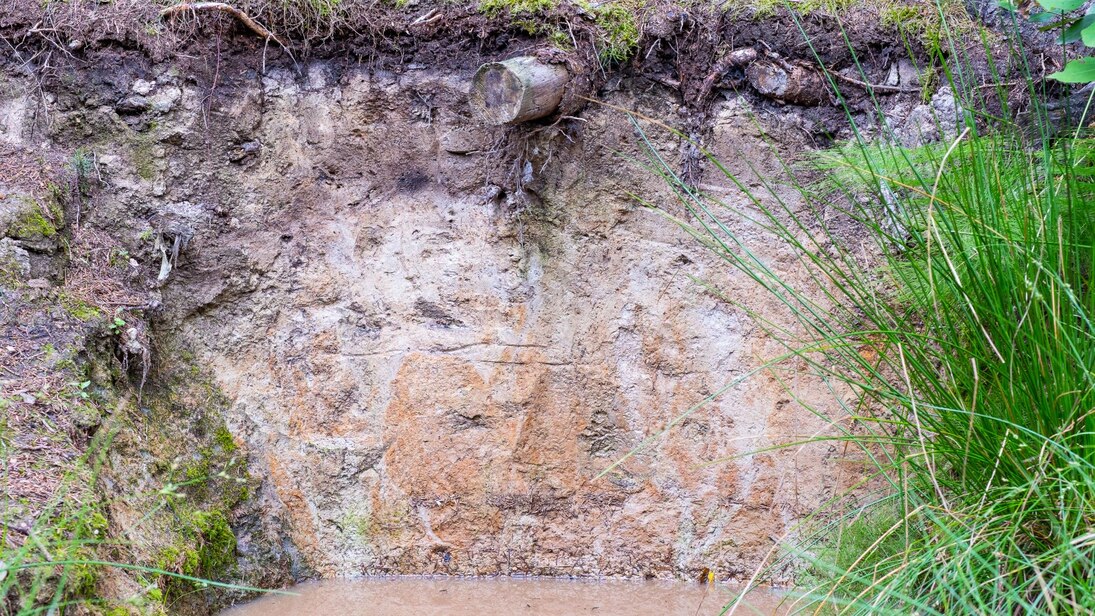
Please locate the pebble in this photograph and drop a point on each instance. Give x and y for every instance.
(142, 87)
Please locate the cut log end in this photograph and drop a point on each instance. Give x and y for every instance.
(791, 84)
(517, 90)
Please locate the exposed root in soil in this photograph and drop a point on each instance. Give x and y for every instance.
(245, 19)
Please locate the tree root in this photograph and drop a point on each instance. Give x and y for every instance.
(872, 86)
(244, 18)
(797, 82)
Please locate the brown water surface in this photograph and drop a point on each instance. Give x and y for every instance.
(437, 596)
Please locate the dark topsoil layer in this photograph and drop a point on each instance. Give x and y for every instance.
(440, 34)
(110, 44)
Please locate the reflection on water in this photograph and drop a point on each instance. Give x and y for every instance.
(448, 596)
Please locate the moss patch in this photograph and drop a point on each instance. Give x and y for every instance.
(494, 8)
(223, 438)
(11, 270)
(144, 157)
(74, 536)
(33, 224)
(201, 473)
(766, 8)
(215, 476)
(357, 525)
(620, 31)
(78, 308)
(206, 548)
(924, 22)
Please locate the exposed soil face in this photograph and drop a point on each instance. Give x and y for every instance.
(431, 378)
(430, 369)
(431, 336)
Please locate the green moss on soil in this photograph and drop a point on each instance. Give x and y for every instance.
(75, 535)
(620, 31)
(143, 156)
(223, 438)
(10, 273)
(766, 8)
(358, 525)
(206, 548)
(924, 23)
(494, 8)
(205, 479)
(188, 529)
(33, 224)
(78, 308)
(918, 20)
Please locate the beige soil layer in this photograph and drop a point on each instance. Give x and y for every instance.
(429, 366)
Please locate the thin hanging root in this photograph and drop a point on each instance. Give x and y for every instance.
(244, 18)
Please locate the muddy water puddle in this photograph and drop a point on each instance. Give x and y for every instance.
(446, 596)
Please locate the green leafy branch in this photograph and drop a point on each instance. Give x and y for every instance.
(1064, 15)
